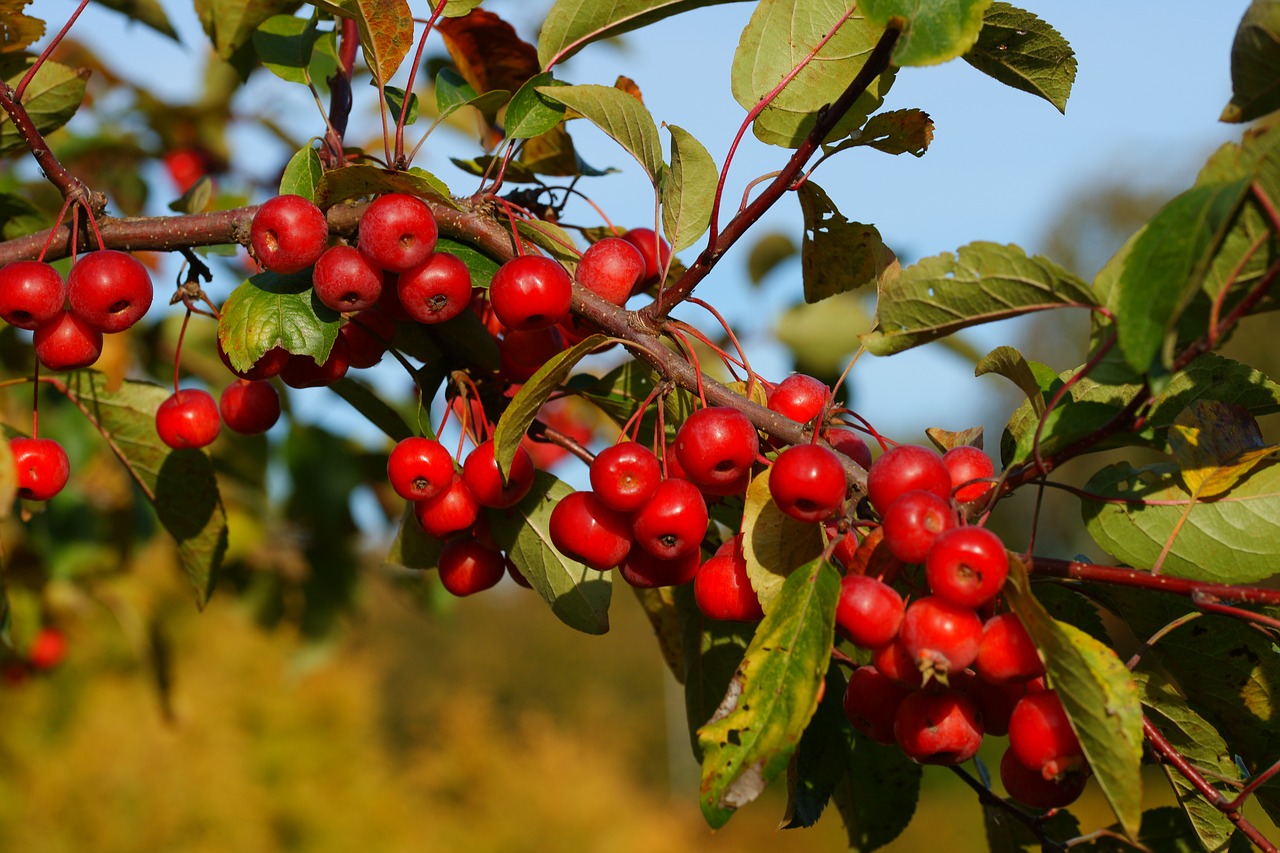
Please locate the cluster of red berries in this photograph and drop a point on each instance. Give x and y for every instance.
(940, 676)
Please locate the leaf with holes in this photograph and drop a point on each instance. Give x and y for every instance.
(837, 255)
(1022, 51)
(1216, 445)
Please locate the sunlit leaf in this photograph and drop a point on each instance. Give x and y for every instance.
(688, 190)
(837, 255)
(284, 44)
(364, 179)
(488, 52)
(385, 28)
(302, 174)
(531, 113)
(1012, 365)
(774, 544)
(230, 23)
(270, 310)
(1022, 51)
(935, 30)
(571, 25)
(51, 99)
(895, 132)
(619, 115)
(1216, 446)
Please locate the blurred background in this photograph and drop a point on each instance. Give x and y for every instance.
(324, 701)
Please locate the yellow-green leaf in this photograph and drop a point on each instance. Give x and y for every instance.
(774, 544)
(1216, 445)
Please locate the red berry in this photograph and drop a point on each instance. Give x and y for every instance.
(807, 482)
(522, 353)
(849, 443)
(67, 343)
(397, 232)
(302, 371)
(716, 447)
(625, 476)
(530, 292)
(672, 522)
(42, 466)
(467, 567)
(997, 701)
(248, 407)
(31, 293)
(480, 471)
(188, 418)
(940, 637)
(722, 589)
(584, 529)
(967, 566)
(871, 703)
(47, 649)
(846, 545)
(611, 268)
(344, 281)
(1040, 735)
(903, 469)
(645, 571)
(269, 364)
(913, 522)
(368, 334)
(451, 510)
(1006, 652)
(966, 463)
(896, 663)
(799, 397)
(1031, 788)
(419, 468)
(288, 234)
(436, 290)
(653, 249)
(109, 290)
(869, 611)
(942, 727)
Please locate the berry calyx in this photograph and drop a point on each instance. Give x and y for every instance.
(942, 727)
(419, 468)
(807, 482)
(903, 469)
(467, 567)
(109, 290)
(941, 637)
(249, 408)
(436, 290)
(967, 566)
(42, 466)
(344, 281)
(530, 292)
(188, 419)
(584, 529)
(288, 234)
(397, 232)
(31, 293)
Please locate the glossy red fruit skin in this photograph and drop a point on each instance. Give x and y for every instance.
(672, 522)
(344, 281)
(846, 546)
(288, 234)
(249, 408)
(480, 471)
(530, 292)
(1032, 789)
(723, 591)
(452, 510)
(716, 447)
(42, 466)
(896, 663)
(31, 293)
(645, 571)
(67, 343)
(967, 566)
(467, 567)
(849, 443)
(868, 612)
(653, 249)
(109, 290)
(625, 476)
(1006, 652)
(1041, 737)
(436, 290)
(419, 468)
(301, 371)
(871, 702)
(397, 232)
(997, 701)
(800, 397)
(938, 727)
(807, 482)
(520, 354)
(47, 649)
(966, 463)
(611, 268)
(903, 469)
(584, 529)
(269, 364)
(188, 419)
(939, 635)
(368, 335)
(913, 522)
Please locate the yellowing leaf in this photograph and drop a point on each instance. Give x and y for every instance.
(774, 544)
(1216, 445)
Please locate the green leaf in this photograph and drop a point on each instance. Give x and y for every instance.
(284, 44)
(578, 596)
(894, 132)
(1064, 425)
(779, 36)
(453, 93)
(481, 266)
(943, 294)
(230, 24)
(302, 174)
(51, 99)
(1255, 64)
(148, 12)
(458, 8)
(524, 407)
(1234, 539)
(821, 758)
(531, 113)
(1012, 365)
(877, 794)
(374, 408)
(180, 484)
(774, 544)
(659, 605)
(361, 180)
(1006, 834)
(19, 217)
(571, 25)
(837, 255)
(936, 30)
(688, 190)
(1099, 695)
(1022, 51)
(413, 548)
(270, 310)
(620, 115)
(821, 337)
(774, 693)
(386, 31)
(395, 103)
(1165, 267)
(712, 649)
(196, 199)
(768, 252)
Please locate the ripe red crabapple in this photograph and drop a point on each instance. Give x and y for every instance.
(31, 293)
(42, 467)
(419, 468)
(611, 268)
(530, 292)
(249, 408)
(584, 529)
(653, 249)
(1031, 788)
(938, 727)
(967, 566)
(397, 232)
(807, 482)
(301, 371)
(625, 476)
(288, 234)
(722, 589)
(871, 702)
(903, 469)
(966, 463)
(467, 567)
(484, 479)
(1006, 652)
(913, 522)
(1041, 737)
(67, 343)
(451, 510)
(344, 281)
(645, 571)
(672, 522)
(109, 290)
(188, 418)
(716, 446)
(941, 637)
(799, 397)
(869, 611)
(436, 290)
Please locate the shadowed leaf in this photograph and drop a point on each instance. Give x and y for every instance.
(1022, 51)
